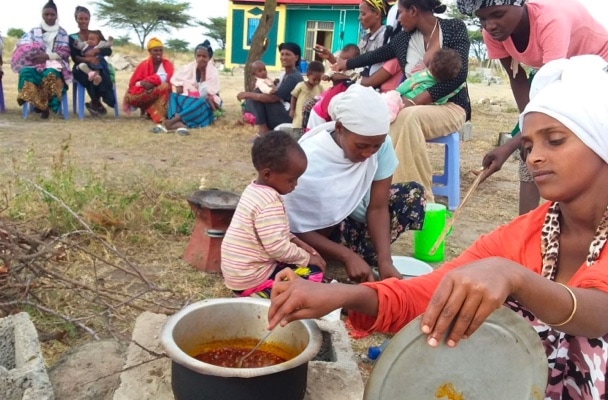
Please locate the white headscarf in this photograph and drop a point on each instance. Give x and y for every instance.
(332, 186)
(573, 91)
(361, 110)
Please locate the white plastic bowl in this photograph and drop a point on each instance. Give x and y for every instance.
(410, 267)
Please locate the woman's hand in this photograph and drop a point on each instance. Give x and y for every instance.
(147, 85)
(467, 295)
(40, 58)
(242, 96)
(324, 53)
(294, 298)
(494, 160)
(340, 65)
(357, 269)
(387, 270)
(317, 260)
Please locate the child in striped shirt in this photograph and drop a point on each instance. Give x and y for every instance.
(258, 243)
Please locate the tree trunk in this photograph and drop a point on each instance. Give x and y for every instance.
(259, 42)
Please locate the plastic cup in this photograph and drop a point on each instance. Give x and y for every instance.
(434, 221)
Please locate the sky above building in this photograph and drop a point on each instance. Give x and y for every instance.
(27, 13)
(31, 14)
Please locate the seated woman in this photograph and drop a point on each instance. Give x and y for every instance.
(549, 265)
(149, 86)
(271, 110)
(105, 89)
(197, 87)
(41, 59)
(345, 205)
(423, 34)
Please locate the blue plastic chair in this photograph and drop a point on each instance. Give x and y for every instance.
(65, 110)
(448, 184)
(78, 96)
(2, 109)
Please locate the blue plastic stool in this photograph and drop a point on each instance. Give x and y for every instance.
(27, 107)
(78, 95)
(448, 184)
(2, 109)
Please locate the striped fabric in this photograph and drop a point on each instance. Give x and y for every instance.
(258, 238)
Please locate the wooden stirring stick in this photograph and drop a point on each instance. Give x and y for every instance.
(449, 224)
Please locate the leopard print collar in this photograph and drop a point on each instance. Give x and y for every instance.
(549, 244)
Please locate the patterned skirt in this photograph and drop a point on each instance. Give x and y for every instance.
(406, 209)
(42, 89)
(153, 101)
(195, 112)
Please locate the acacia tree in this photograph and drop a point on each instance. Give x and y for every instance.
(259, 42)
(216, 29)
(143, 16)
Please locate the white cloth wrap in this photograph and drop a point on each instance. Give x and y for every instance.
(573, 91)
(332, 186)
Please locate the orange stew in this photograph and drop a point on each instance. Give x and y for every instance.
(228, 357)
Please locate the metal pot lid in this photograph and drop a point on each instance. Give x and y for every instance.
(503, 360)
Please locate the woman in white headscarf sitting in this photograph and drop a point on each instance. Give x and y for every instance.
(41, 58)
(345, 204)
(549, 265)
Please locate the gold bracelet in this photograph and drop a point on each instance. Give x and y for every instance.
(574, 306)
(411, 101)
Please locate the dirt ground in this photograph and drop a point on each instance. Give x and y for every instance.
(125, 150)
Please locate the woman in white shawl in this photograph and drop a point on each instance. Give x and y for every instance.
(345, 204)
(41, 59)
(197, 87)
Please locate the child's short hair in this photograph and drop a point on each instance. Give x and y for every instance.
(352, 47)
(98, 33)
(271, 150)
(315, 66)
(445, 65)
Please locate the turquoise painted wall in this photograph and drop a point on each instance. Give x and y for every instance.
(239, 51)
(295, 29)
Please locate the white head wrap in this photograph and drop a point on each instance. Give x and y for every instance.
(361, 110)
(573, 91)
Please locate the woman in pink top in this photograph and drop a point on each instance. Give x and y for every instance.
(532, 33)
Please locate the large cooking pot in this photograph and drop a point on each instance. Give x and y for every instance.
(186, 332)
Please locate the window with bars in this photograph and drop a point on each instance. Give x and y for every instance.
(317, 32)
(252, 25)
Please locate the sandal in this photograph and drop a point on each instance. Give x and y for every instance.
(182, 131)
(91, 109)
(159, 129)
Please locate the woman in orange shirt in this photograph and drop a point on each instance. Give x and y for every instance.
(550, 265)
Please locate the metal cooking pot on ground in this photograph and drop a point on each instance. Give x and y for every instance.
(206, 321)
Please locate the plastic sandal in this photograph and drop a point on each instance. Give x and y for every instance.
(159, 129)
(182, 131)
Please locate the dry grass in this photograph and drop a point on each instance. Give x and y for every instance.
(149, 176)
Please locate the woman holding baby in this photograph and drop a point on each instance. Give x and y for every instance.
(104, 90)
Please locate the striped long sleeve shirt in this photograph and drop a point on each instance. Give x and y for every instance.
(257, 239)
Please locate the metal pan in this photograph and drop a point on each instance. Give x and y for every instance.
(503, 360)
